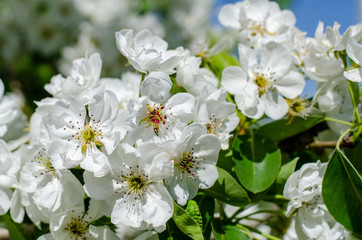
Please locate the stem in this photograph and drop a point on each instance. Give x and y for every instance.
(248, 232)
(143, 77)
(275, 197)
(278, 212)
(338, 121)
(340, 139)
(322, 144)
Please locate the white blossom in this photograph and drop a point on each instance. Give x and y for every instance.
(148, 53)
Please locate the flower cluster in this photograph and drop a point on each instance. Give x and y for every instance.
(138, 145)
(133, 152)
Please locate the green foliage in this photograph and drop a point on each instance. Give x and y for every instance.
(285, 171)
(228, 190)
(281, 129)
(342, 192)
(193, 210)
(15, 230)
(206, 208)
(257, 162)
(227, 232)
(354, 156)
(222, 60)
(186, 223)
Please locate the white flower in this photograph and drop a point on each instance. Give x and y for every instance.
(193, 78)
(354, 51)
(304, 186)
(304, 189)
(213, 111)
(256, 85)
(52, 186)
(9, 111)
(83, 81)
(146, 52)
(261, 20)
(125, 89)
(9, 166)
(87, 133)
(194, 155)
(75, 224)
(134, 192)
(319, 61)
(154, 116)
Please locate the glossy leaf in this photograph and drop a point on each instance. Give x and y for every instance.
(281, 129)
(342, 192)
(257, 162)
(227, 232)
(207, 208)
(285, 171)
(193, 210)
(222, 60)
(228, 190)
(186, 224)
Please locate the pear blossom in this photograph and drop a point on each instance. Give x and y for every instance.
(213, 111)
(125, 89)
(261, 21)
(9, 111)
(133, 191)
(193, 78)
(312, 220)
(9, 167)
(75, 223)
(354, 51)
(155, 116)
(259, 87)
(83, 81)
(319, 62)
(87, 133)
(148, 53)
(50, 184)
(194, 155)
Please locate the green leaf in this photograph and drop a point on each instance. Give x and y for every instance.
(281, 129)
(222, 60)
(354, 156)
(285, 171)
(172, 232)
(193, 210)
(227, 232)
(207, 209)
(13, 228)
(355, 90)
(186, 224)
(228, 190)
(342, 192)
(257, 162)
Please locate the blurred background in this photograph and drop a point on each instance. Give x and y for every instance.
(40, 38)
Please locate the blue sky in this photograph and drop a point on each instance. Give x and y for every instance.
(308, 13)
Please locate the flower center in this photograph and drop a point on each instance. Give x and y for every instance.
(262, 83)
(263, 79)
(45, 164)
(88, 136)
(155, 117)
(297, 107)
(188, 163)
(213, 125)
(136, 184)
(77, 229)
